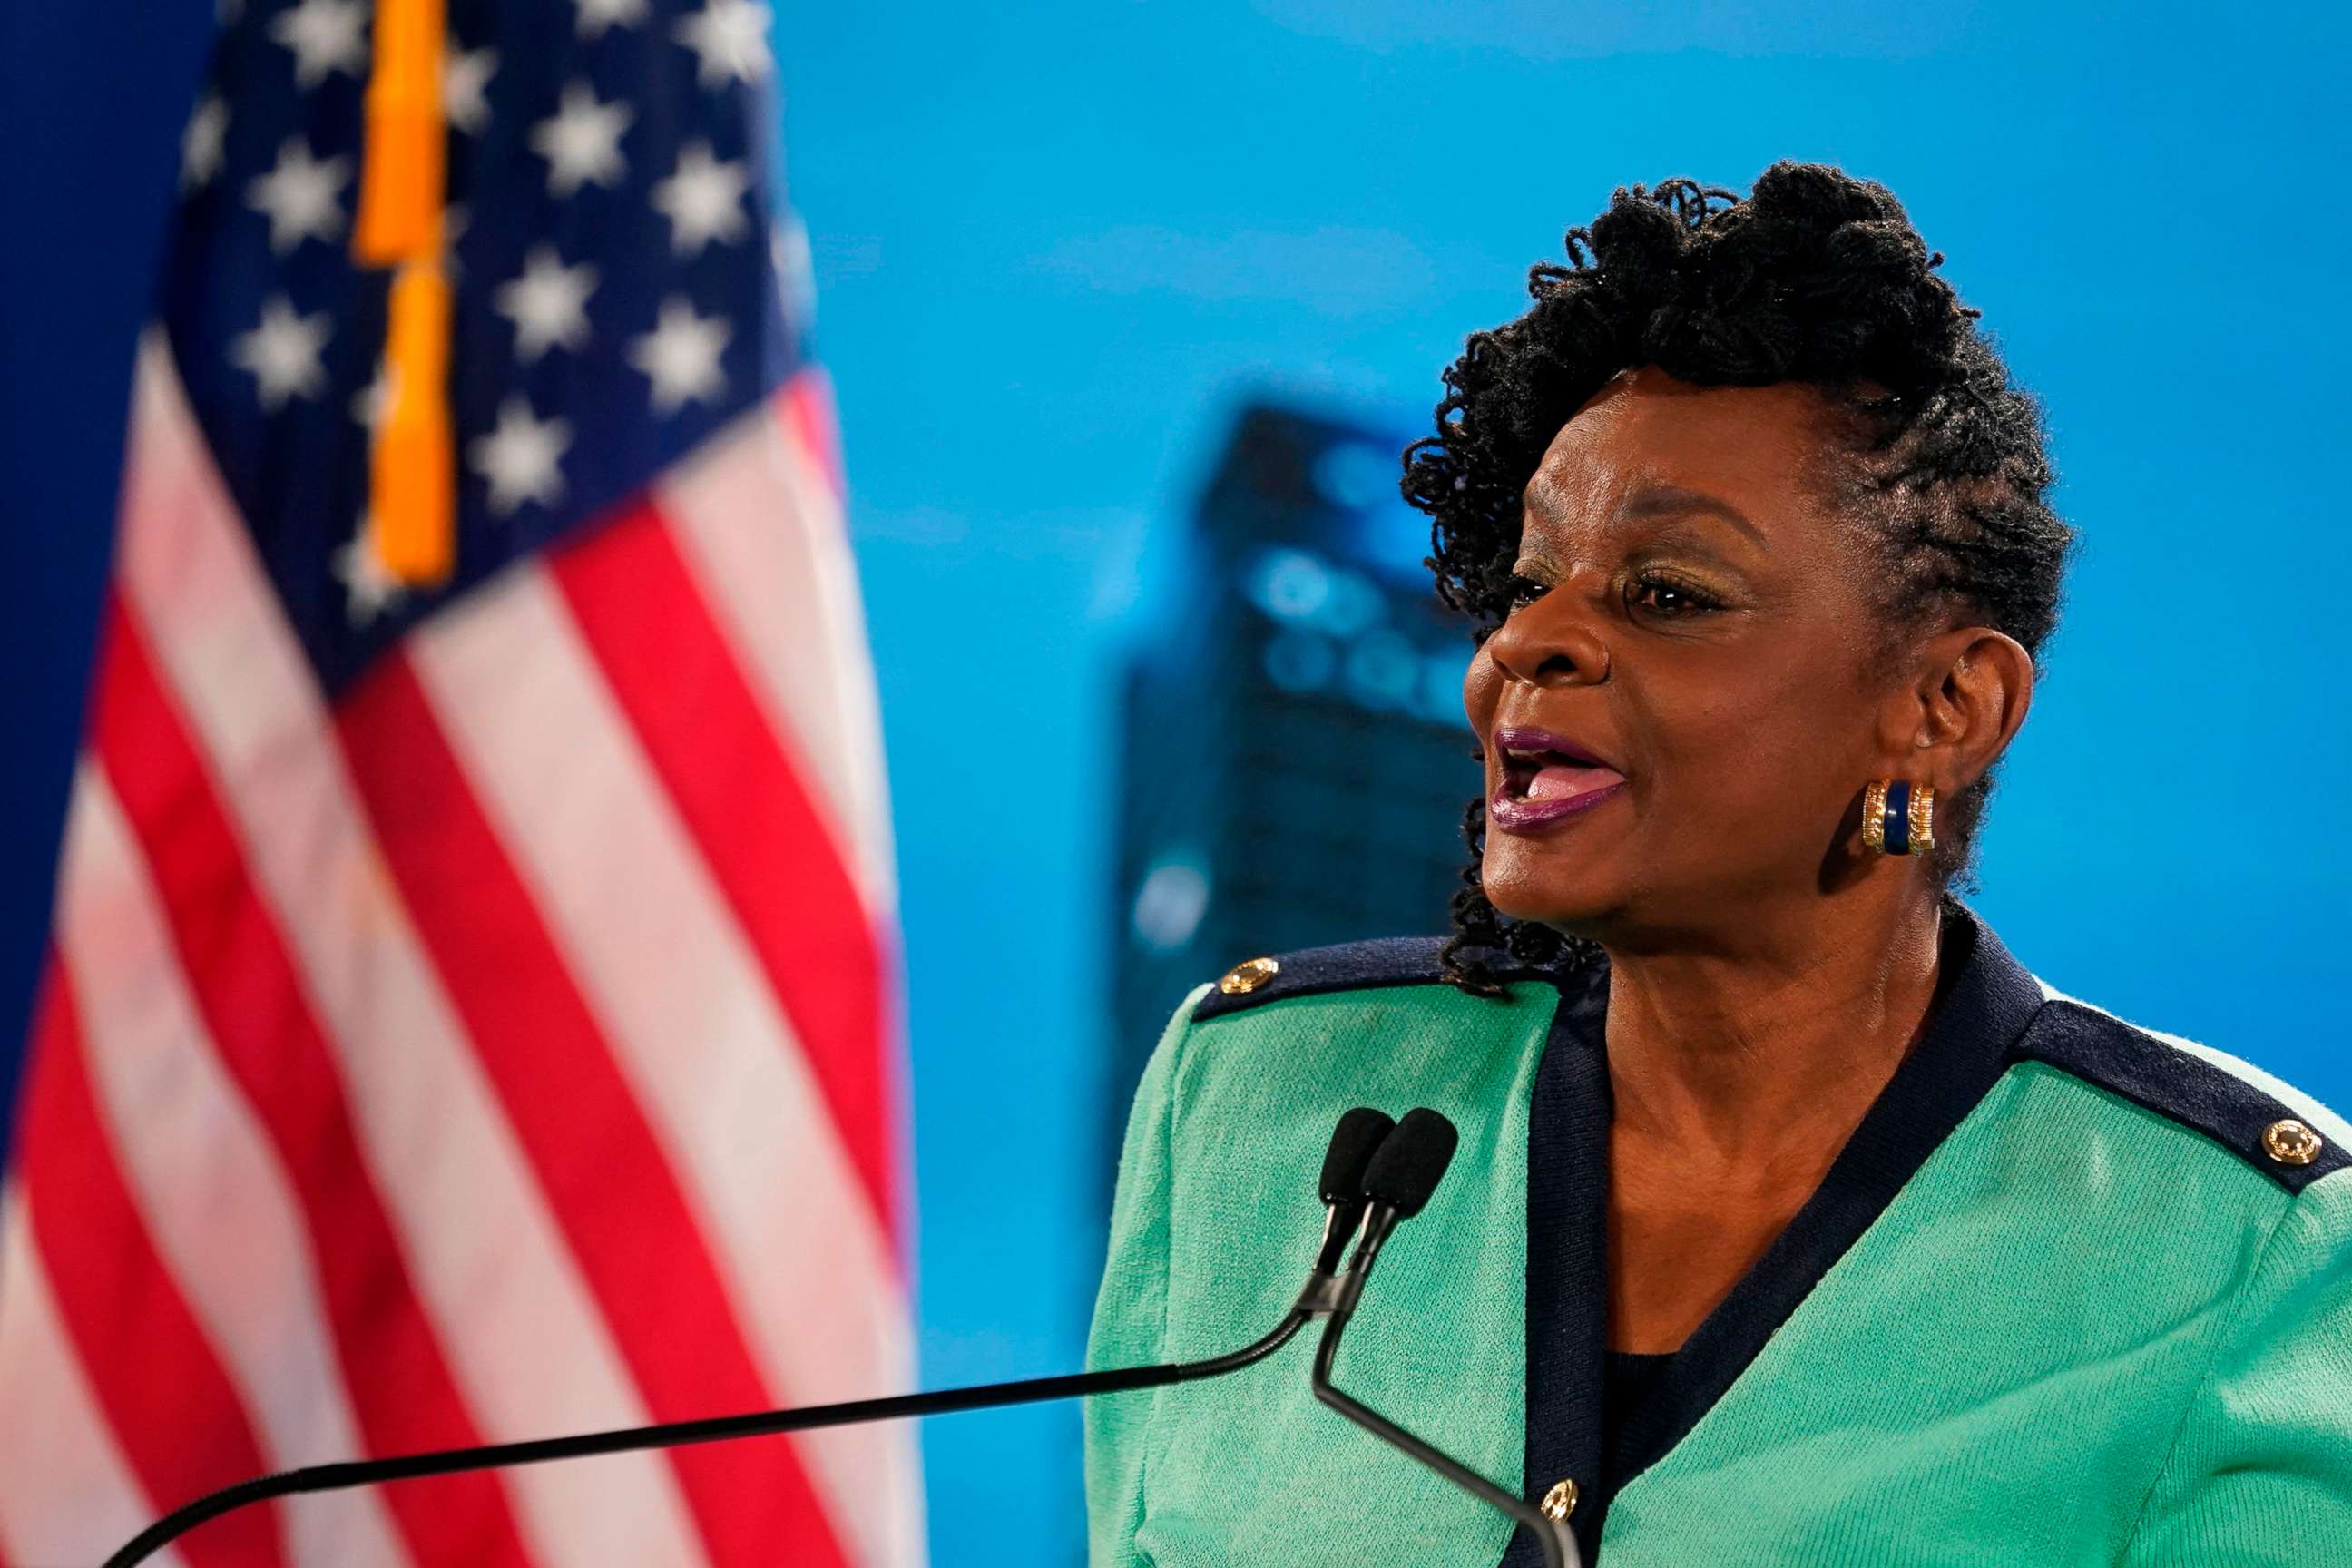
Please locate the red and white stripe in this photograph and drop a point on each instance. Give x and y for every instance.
(64, 1481)
(501, 1051)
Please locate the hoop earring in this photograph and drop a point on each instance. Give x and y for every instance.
(1898, 816)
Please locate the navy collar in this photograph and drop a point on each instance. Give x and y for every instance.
(1983, 1002)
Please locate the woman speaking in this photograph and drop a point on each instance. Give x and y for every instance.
(1795, 1221)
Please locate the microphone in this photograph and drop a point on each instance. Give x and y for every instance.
(1398, 1182)
(1347, 1165)
(1354, 1143)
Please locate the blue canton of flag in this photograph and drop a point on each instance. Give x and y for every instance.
(616, 269)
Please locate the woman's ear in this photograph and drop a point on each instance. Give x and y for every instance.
(1974, 687)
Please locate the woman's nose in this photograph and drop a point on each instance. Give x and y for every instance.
(1551, 642)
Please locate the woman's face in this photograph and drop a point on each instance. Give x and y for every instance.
(1691, 617)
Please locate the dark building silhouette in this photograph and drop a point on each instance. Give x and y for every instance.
(1294, 760)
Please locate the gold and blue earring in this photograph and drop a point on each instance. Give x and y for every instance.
(1898, 816)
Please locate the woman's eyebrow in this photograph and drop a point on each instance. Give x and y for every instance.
(1657, 500)
(1648, 500)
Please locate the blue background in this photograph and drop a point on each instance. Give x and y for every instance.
(1055, 244)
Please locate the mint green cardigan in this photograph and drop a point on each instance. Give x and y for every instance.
(2099, 1312)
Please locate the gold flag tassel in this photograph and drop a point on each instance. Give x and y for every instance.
(412, 473)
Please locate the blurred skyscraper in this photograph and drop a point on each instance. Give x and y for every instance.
(1294, 762)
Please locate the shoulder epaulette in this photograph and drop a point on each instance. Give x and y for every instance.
(1344, 966)
(2293, 1145)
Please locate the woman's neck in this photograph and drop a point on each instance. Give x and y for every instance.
(1738, 1076)
(1744, 1055)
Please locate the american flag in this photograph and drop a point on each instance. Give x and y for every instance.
(471, 1013)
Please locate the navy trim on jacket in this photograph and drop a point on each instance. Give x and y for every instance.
(1349, 966)
(2105, 1050)
(1984, 1001)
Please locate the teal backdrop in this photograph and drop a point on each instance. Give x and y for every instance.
(1055, 244)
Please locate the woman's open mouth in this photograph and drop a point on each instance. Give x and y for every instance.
(1546, 779)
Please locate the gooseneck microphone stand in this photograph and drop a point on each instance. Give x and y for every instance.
(1400, 1180)
(1376, 1173)
(766, 1423)
(1352, 1145)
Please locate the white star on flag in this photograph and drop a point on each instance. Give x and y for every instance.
(370, 403)
(596, 16)
(518, 459)
(454, 219)
(582, 141)
(282, 352)
(298, 196)
(680, 355)
(547, 303)
(730, 39)
(369, 587)
(327, 36)
(703, 199)
(200, 142)
(464, 78)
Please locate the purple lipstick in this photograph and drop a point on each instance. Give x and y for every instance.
(1546, 779)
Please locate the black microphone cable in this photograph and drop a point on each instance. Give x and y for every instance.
(1346, 1161)
(1397, 1184)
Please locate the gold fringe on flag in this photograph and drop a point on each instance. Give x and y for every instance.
(404, 184)
(413, 475)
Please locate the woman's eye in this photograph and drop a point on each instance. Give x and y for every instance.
(1526, 590)
(1669, 597)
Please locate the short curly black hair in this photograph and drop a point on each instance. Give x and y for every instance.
(1816, 277)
